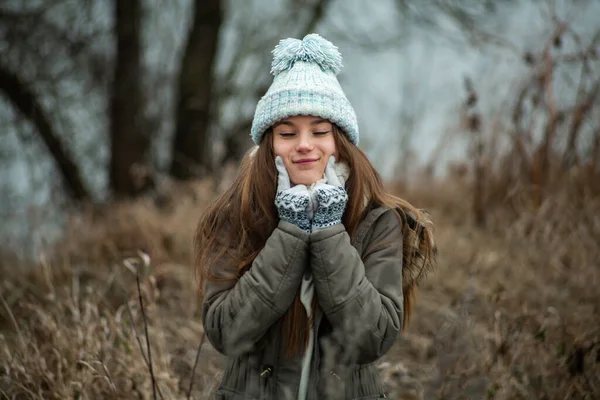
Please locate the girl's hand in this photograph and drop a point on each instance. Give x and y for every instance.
(331, 198)
(292, 202)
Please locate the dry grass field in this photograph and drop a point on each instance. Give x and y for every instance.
(512, 311)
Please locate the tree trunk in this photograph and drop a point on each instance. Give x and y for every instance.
(26, 102)
(129, 142)
(189, 152)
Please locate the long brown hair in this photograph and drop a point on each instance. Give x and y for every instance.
(236, 226)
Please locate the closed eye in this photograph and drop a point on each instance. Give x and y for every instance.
(321, 133)
(286, 134)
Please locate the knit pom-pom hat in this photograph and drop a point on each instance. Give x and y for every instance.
(305, 83)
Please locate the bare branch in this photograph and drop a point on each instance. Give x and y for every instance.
(27, 103)
(189, 392)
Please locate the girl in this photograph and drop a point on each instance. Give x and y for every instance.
(306, 264)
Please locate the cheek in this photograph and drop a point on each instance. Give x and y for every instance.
(329, 148)
(280, 149)
(283, 150)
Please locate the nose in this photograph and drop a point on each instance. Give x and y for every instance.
(304, 143)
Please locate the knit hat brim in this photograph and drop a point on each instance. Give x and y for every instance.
(279, 105)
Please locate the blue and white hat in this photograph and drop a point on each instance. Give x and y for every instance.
(305, 83)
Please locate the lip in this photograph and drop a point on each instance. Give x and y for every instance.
(306, 161)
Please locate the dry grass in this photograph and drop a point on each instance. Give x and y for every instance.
(73, 328)
(512, 312)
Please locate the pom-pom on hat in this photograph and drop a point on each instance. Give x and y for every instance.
(305, 83)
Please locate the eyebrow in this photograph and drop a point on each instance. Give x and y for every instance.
(290, 123)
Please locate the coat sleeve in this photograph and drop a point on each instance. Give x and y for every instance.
(236, 315)
(361, 297)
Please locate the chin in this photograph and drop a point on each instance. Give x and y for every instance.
(305, 179)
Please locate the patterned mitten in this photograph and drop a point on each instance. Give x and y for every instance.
(332, 199)
(292, 202)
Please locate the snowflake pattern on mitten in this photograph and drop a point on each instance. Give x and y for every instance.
(293, 208)
(332, 204)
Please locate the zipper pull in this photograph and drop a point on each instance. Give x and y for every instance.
(334, 374)
(267, 371)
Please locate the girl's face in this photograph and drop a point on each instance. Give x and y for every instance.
(305, 144)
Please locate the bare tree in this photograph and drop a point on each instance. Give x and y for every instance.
(193, 112)
(26, 102)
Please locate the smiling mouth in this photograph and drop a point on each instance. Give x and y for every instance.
(306, 161)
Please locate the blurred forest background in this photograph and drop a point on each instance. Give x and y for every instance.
(122, 119)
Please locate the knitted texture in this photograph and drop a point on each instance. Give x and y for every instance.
(293, 208)
(332, 204)
(305, 83)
